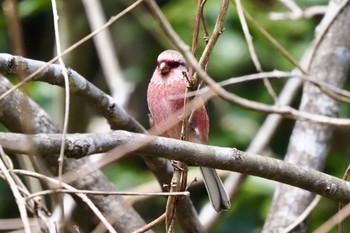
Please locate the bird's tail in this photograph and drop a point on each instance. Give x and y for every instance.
(215, 188)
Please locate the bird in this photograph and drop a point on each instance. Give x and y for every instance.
(169, 82)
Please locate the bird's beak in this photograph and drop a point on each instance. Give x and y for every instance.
(164, 68)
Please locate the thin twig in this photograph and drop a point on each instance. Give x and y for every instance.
(218, 30)
(251, 49)
(120, 193)
(84, 198)
(35, 205)
(15, 224)
(151, 224)
(341, 205)
(247, 36)
(66, 84)
(275, 43)
(196, 28)
(73, 47)
(67, 99)
(334, 220)
(118, 85)
(321, 32)
(179, 179)
(18, 197)
(286, 111)
(303, 216)
(296, 12)
(76, 80)
(205, 29)
(324, 26)
(329, 88)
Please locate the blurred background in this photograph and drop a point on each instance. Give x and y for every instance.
(137, 41)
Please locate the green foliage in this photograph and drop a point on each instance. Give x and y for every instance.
(126, 175)
(29, 8)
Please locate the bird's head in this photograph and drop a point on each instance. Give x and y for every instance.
(170, 60)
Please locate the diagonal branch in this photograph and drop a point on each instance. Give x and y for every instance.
(218, 30)
(12, 118)
(116, 116)
(285, 111)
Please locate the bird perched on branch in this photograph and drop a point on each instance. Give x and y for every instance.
(165, 97)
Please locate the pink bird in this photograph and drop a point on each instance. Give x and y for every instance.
(169, 81)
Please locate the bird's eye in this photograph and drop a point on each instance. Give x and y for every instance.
(174, 64)
(166, 65)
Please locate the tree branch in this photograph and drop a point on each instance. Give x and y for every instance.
(12, 111)
(285, 111)
(309, 143)
(116, 116)
(191, 153)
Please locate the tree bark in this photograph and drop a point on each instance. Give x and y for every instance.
(309, 142)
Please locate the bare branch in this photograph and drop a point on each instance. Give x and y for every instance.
(116, 116)
(151, 224)
(285, 111)
(251, 49)
(97, 192)
(309, 143)
(15, 30)
(120, 88)
(66, 186)
(296, 12)
(198, 155)
(67, 97)
(334, 220)
(196, 27)
(17, 195)
(218, 30)
(71, 48)
(12, 118)
(303, 216)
